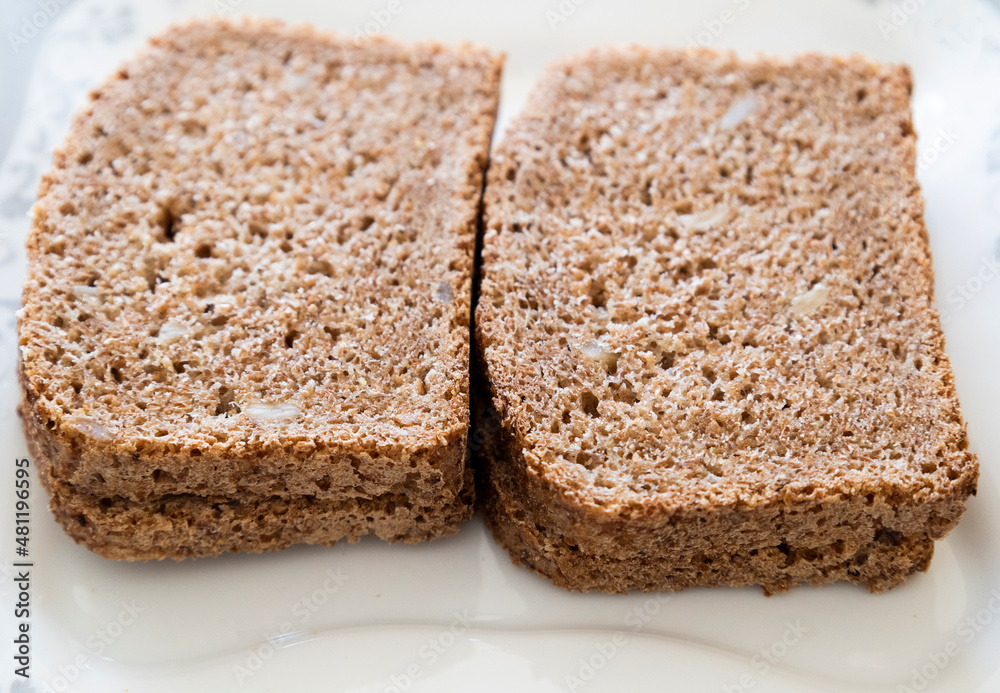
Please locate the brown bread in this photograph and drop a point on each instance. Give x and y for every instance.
(706, 328)
(246, 312)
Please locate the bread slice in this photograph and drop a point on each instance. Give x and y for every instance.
(246, 313)
(706, 328)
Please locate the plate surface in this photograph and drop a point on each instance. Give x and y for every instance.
(456, 615)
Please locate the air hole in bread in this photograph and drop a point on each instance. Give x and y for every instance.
(167, 223)
(667, 360)
(598, 295)
(227, 402)
(320, 267)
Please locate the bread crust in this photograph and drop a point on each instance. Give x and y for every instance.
(776, 546)
(249, 285)
(192, 526)
(658, 429)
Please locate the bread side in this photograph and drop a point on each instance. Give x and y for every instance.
(190, 526)
(250, 271)
(698, 547)
(707, 327)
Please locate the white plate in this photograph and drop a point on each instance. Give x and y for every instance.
(456, 615)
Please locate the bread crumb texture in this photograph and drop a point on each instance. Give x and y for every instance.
(706, 328)
(249, 285)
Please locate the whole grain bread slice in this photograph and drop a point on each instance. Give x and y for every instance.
(249, 286)
(707, 343)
